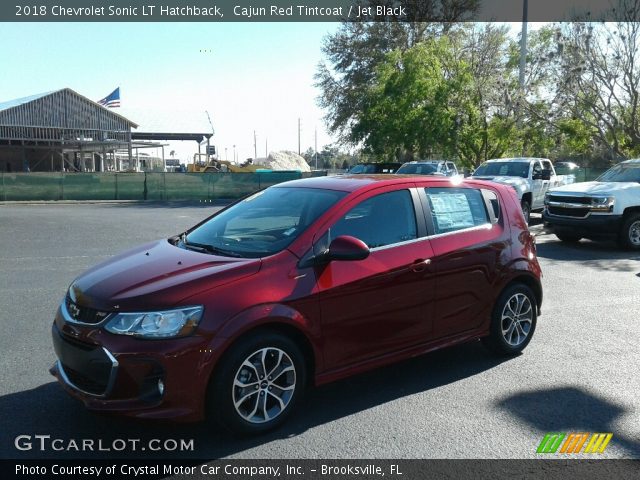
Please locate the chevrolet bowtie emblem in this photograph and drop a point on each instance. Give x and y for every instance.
(74, 310)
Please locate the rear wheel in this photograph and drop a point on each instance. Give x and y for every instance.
(258, 383)
(513, 321)
(526, 209)
(569, 238)
(630, 232)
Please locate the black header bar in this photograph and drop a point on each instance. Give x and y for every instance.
(313, 10)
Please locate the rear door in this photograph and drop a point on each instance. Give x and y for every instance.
(469, 240)
(383, 303)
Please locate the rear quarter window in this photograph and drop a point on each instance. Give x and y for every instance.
(455, 209)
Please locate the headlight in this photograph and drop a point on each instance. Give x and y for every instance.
(602, 204)
(546, 198)
(161, 324)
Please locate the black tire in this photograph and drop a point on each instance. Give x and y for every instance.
(224, 393)
(569, 238)
(526, 209)
(497, 340)
(629, 236)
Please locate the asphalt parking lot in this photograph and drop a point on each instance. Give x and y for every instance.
(580, 372)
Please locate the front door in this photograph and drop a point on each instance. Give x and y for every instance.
(383, 303)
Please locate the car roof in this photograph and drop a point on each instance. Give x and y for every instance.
(352, 183)
(414, 162)
(633, 160)
(516, 159)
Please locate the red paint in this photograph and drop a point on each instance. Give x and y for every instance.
(398, 302)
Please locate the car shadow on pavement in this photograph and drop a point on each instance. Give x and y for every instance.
(599, 255)
(48, 410)
(569, 409)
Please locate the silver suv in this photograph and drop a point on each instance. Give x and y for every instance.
(429, 167)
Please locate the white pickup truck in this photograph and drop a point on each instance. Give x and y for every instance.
(607, 207)
(529, 177)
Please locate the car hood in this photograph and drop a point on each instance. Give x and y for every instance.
(502, 179)
(598, 188)
(154, 276)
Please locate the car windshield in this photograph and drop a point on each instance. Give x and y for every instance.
(507, 169)
(363, 169)
(262, 224)
(625, 172)
(417, 169)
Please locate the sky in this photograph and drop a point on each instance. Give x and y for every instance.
(247, 76)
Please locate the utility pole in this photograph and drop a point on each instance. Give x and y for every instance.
(255, 145)
(315, 148)
(266, 152)
(523, 64)
(298, 135)
(523, 42)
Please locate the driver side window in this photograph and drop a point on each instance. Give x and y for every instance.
(537, 168)
(382, 220)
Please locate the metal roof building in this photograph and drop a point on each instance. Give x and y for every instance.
(61, 130)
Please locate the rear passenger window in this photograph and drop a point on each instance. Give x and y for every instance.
(492, 198)
(381, 220)
(456, 208)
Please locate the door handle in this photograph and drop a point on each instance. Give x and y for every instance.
(420, 265)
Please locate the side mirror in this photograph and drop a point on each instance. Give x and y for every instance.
(346, 247)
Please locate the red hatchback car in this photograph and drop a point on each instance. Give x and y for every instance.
(305, 282)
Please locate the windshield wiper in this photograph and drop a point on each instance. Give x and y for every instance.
(205, 248)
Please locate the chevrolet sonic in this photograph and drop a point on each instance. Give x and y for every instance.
(303, 283)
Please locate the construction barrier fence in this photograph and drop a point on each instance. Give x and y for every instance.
(37, 186)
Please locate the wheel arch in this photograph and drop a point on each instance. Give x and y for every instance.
(531, 282)
(631, 210)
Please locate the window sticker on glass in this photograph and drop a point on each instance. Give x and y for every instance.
(451, 210)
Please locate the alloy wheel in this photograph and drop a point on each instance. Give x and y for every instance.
(634, 233)
(516, 319)
(264, 385)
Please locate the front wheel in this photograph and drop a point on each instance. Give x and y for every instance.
(258, 383)
(568, 238)
(630, 232)
(513, 321)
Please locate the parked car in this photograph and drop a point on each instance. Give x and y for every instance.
(529, 177)
(566, 166)
(305, 282)
(374, 168)
(429, 167)
(606, 207)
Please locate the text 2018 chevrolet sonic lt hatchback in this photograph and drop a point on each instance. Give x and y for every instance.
(305, 282)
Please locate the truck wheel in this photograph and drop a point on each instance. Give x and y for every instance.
(567, 237)
(513, 321)
(630, 232)
(526, 210)
(258, 383)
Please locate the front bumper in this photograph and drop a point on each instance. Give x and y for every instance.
(596, 226)
(131, 376)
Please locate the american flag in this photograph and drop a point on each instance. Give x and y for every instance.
(112, 100)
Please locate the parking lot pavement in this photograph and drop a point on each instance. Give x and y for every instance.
(580, 372)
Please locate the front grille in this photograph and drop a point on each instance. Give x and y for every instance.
(84, 314)
(96, 386)
(568, 212)
(568, 199)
